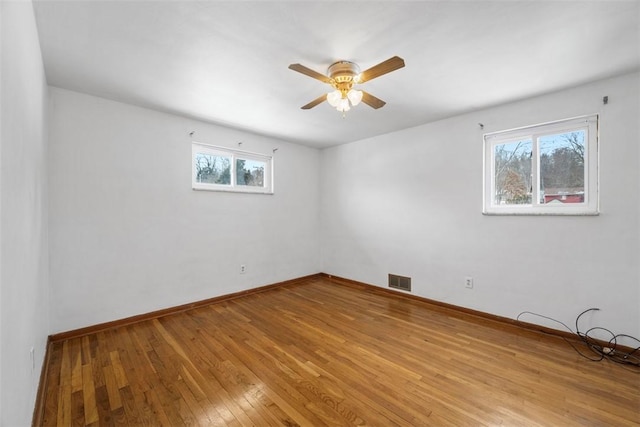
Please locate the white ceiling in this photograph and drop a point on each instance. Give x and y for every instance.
(226, 62)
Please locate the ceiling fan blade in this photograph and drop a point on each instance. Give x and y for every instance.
(372, 101)
(315, 102)
(309, 72)
(382, 68)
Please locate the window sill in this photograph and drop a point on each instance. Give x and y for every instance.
(541, 213)
(222, 190)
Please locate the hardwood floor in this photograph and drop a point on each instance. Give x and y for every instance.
(321, 353)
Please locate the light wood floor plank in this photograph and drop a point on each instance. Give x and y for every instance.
(319, 353)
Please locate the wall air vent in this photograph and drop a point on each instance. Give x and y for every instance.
(400, 282)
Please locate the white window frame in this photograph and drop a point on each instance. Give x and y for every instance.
(590, 206)
(198, 147)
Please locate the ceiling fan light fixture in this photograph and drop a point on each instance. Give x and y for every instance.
(355, 96)
(333, 98)
(343, 105)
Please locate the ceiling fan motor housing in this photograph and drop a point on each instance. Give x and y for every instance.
(344, 75)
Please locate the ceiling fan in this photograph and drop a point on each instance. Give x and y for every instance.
(342, 76)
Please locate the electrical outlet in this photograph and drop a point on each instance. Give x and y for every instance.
(468, 282)
(243, 268)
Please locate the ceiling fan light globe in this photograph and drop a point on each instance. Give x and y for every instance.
(343, 105)
(355, 96)
(333, 98)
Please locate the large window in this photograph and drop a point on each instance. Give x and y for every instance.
(223, 169)
(544, 169)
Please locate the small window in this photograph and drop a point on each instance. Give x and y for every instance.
(544, 169)
(223, 169)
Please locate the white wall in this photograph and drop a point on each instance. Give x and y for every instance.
(1, 137)
(24, 303)
(129, 235)
(410, 203)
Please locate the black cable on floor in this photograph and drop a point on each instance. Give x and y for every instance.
(611, 351)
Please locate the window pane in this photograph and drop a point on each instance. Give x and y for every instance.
(250, 172)
(213, 169)
(562, 168)
(513, 173)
